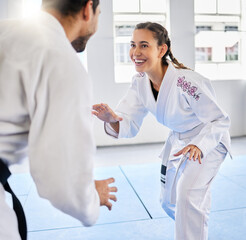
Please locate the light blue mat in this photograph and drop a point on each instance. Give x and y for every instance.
(145, 179)
(227, 195)
(137, 215)
(227, 225)
(224, 225)
(41, 215)
(161, 229)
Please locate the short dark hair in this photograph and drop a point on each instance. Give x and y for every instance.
(68, 7)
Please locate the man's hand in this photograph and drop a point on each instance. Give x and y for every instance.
(104, 192)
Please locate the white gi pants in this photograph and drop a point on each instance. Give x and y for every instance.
(8, 220)
(186, 195)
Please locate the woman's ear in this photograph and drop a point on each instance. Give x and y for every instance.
(163, 50)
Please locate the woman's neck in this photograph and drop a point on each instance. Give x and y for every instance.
(157, 76)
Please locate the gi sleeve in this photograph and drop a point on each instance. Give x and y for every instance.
(132, 110)
(61, 144)
(216, 122)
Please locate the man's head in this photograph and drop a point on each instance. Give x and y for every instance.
(82, 16)
(68, 7)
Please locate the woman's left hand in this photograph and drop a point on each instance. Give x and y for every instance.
(194, 151)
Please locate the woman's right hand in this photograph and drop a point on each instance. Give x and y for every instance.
(105, 113)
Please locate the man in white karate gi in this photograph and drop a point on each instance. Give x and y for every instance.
(45, 112)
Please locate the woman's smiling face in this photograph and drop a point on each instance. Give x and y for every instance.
(145, 52)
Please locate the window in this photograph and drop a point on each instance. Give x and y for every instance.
(203, 28)
(122, 44)
(203, 54)
(232, 53)
(127, 14)
(218, 38)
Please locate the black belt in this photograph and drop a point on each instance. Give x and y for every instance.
(4, 175)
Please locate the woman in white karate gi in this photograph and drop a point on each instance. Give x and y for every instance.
(185, 102)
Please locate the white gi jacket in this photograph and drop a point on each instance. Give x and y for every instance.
(186, 101)
(45, 104)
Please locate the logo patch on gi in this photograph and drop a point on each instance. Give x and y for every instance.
(186, 86)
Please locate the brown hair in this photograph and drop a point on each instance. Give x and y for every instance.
(68, 7)
(161, 35)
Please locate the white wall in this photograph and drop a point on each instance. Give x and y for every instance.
(10, 8)
(243, 46)
(231, 94)
(182, 31)
(3, 9)
(101, 67)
